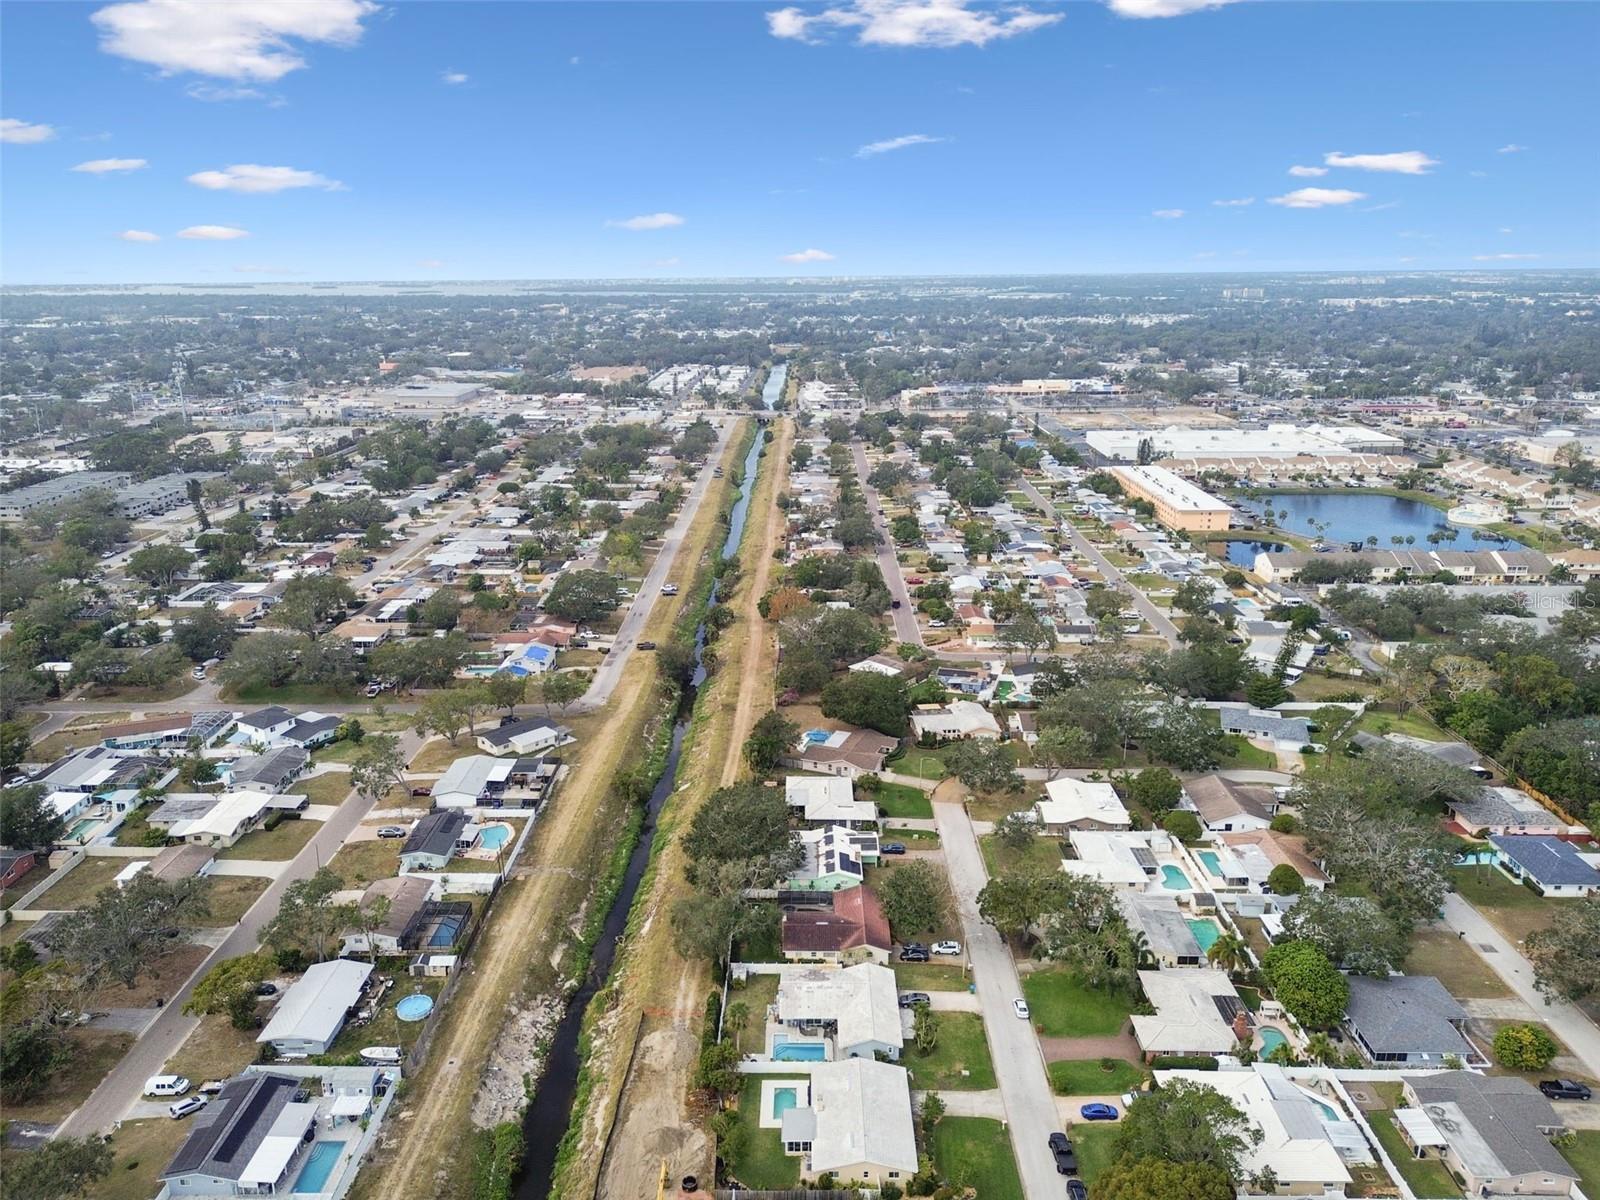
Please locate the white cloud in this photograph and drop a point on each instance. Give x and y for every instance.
(1402, 162)
(1200, 254)
(24, 133)
(1511, 148)
(213, 93)
(139, 235)
(666, 262)
(431, 264)
(660, 220)
(454, 77)
(254, 178)
(1506, 229)
(808, 256)
(1162, 8)
(240, 39)
(212, 233)
(1168, 214)
(1241, 202)
(109, 166)
(1307, 172)
(1502, 257)
(910, 23)
(898, 143)
(1316, 197)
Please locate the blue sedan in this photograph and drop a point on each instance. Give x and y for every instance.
(1098, 1112)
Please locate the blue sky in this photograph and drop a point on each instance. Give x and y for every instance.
(420, 140)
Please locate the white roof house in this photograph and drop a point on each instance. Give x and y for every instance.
(1188, 1018)
(860, 1002)
(465, 781)
(959, 719)
(313, 1010)
(858, 1124)
(1081, 804)
(1297, 1137)
(284, 1138)
(210, 819)
(828, 800)
(1119, 857)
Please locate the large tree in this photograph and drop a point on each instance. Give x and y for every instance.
(1132, 1178)
(865, 698)
(915, 898)
(770, 737)
(747, 825)
(309, 920)
(377, 765)
(26, 821)
(1565, 964)
(1306, 983)
(1186, 1122)
(983, 765)
(121, 932)
(204, 633)
(583, 596)
(159, 565)
(560, 689)
(1353, 931)
(311, 601)
(58, 1169)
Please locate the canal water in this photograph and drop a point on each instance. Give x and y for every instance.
(550, 1111)
(1356, 516)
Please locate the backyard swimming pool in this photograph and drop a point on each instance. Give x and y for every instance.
(783, 1099)
(1271, 1039)
(1211, 862)
(817, 736)
(1205, 930)
(414, 1007)
(1173, 879)
(81, 828)
(319, 1165)
(494, 836)
(799, 1052)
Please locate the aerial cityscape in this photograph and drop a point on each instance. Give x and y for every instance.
(880, 599)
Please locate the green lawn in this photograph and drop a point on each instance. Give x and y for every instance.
(1428, 1178)
(360, 863)
(274, 845)
(229, 897)
(1088, 1079)
(1414, 725)
(79, 886)
(1094, 1146)
(903, 800)
(1041, 853)
(755, 994)
(340, 752)
(1247, 754)
(1462, 970)
(292, 694)
(386, 1029)
(1063, 1007)
(1583, 1152)
(914, 839)
(975, 1152)
(929, 977)
(924, 764)
(1514, 910)
(331, 788)
(143, 1149)
(760, 1162)
(961, 1047)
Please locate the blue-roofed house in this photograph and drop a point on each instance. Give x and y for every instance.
(1288, 732)
(1554, 867)
(535, 658)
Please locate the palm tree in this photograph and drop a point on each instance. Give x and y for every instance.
(1230, 952)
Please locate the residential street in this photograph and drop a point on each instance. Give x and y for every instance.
(1147, 609)
(1569, 1024)
(1030, 1106)
(904, 617)
(119, 1090)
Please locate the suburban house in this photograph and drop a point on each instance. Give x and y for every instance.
(958, 719)
(1258, 851)
(531, 658)
(269, 772)
(1080, 804)
(363, 633)
(1224, 806)
(169, 734)
(881, 664)
(531, 735)
(182, 862)
(829, 801)
(251, 1139)
(95, 770)
(855, 1124)
(1492, 810)
(835, 858)
(1119, 857)
(1197, 1011)
(277, 726)
(220, 819)
(476, 779)
(1289, 733)
(857, 1009)
(1491, 1131)
(433, 839)
(1168, 938)
(14, 864)
(1553, 867)
(1408, 1019)
(850, 753)
(313, 1010)
(1457, 754)
(405, 895)
(855, 931)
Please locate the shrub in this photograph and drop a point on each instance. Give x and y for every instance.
(1285, 822)
(1284, 880)
(1183, 1062)
(1523, 1047)
(1184, 826)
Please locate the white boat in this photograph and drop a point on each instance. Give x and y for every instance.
(381, 1054)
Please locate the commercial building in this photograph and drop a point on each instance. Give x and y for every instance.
(1274, 441)
(161, 494)
(1178, 503)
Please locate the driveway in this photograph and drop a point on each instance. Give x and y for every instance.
(1147, 608)
(904, 617)
(1028, 1104)
(1569, 1024)
(121, 1089)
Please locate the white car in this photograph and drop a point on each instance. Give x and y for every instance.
(1020, 1007)
(946, 947)
(182, 1108)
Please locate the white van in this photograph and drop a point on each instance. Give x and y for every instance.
(166, 1085)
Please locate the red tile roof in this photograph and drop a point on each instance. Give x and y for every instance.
(857, 920)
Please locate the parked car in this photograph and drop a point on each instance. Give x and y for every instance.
(373, 690)
(669, 589)
(892, 848)
(647, 645)
(1077, 1190)
(1061, 1150)
(1098, 1112)
(166, 1085)
(912, 999)
(1565, 1089)
(199, 672)
(1020, 1007)
(266, 989)
(894, 604)
(182, 1108)
(947, 947)
(913, 954)
(392, 831)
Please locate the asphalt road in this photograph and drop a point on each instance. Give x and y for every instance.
(122, 1088)
(1030, 1105)
(904, 617)
(1147, 609)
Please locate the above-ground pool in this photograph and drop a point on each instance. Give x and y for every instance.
(1271, 1039)
(1205, 930)
(799, 1052)
(494, 836)
(1211, 862)
(783, 1099)
(414, 1007)
(319, 1165)
(1173, 879)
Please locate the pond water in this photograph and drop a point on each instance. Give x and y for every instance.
(1355, 516)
